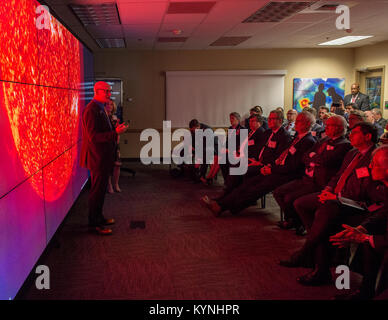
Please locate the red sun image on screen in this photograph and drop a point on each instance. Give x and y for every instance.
(43, 109)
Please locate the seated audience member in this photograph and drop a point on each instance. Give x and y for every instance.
(288, 166)
(379, 117)
(321, 212)
(355, 117)
(317, 129)
(234, 118)
(255, 141)
(321, 112)
(372, 237)
(276, 139)
(322, 162)
(289, 125)
(371, 119)
(259, 111)
(325, 117)
(282, 111)
(384, 136)
(198, 170)
(349, 108)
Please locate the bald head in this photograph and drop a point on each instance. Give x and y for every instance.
(379, 164)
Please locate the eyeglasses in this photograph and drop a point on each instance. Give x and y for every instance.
(106, 90)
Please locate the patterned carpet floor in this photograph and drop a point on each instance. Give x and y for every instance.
(183, 253)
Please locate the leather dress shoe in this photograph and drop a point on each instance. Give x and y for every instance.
(315, 278)
(212, 205)
(108, 222)
(101, 231)
(357, 295)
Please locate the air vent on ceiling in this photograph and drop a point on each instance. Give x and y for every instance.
(172, 39)
(277, 11)
(228, 41)
(111, 43)
(96, 14)
(190, 7)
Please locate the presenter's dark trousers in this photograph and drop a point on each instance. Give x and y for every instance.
(99, 184)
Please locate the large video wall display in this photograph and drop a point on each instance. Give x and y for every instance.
(45, 73)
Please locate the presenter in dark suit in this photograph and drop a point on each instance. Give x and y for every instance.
(322, 212)
(98, 154)
(288, 166)
(322, 162)
(372, 237)
(359, 100)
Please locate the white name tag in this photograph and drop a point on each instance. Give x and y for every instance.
(362, 172)
(292, 150)
(251, 142)
(272, 144)
(329, 147)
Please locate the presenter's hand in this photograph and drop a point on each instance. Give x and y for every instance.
(121, 128)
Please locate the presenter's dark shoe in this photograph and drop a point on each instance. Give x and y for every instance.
(108, 222)
(101, 231)
(315, 278)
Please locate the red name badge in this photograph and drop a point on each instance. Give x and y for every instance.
(292, 150)
(272, 144)
(362, 172)
(251, 142)
(329, 147)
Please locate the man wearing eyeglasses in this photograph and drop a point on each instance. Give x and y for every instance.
(98, 154)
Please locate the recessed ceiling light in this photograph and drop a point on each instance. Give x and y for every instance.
(344, 40)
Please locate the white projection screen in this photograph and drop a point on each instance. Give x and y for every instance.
(210, 96)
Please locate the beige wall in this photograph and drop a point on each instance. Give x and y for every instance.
(144, 82)
(374, 56)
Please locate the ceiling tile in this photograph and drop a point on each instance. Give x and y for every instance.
(141, 13)
(141, 30)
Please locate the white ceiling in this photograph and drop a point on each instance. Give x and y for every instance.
(143, 21)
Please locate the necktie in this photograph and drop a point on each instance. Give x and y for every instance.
(345, 175)
(282, 159)
(262, 149)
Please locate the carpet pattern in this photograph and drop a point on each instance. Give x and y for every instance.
(183, 253)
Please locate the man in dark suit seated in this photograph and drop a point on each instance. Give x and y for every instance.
(288, 166)
(316, 129)
(372, 237)
(255, 141)
(322, 162)
(276, 140)
(234, 118)
(379, 118)
(98, 154)
(256, 110)
(321, 212)
(360, 101)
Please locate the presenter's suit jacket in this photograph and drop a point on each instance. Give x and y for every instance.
(98, 140)
(362, 101)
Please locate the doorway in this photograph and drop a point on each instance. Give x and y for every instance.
(371, 82)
